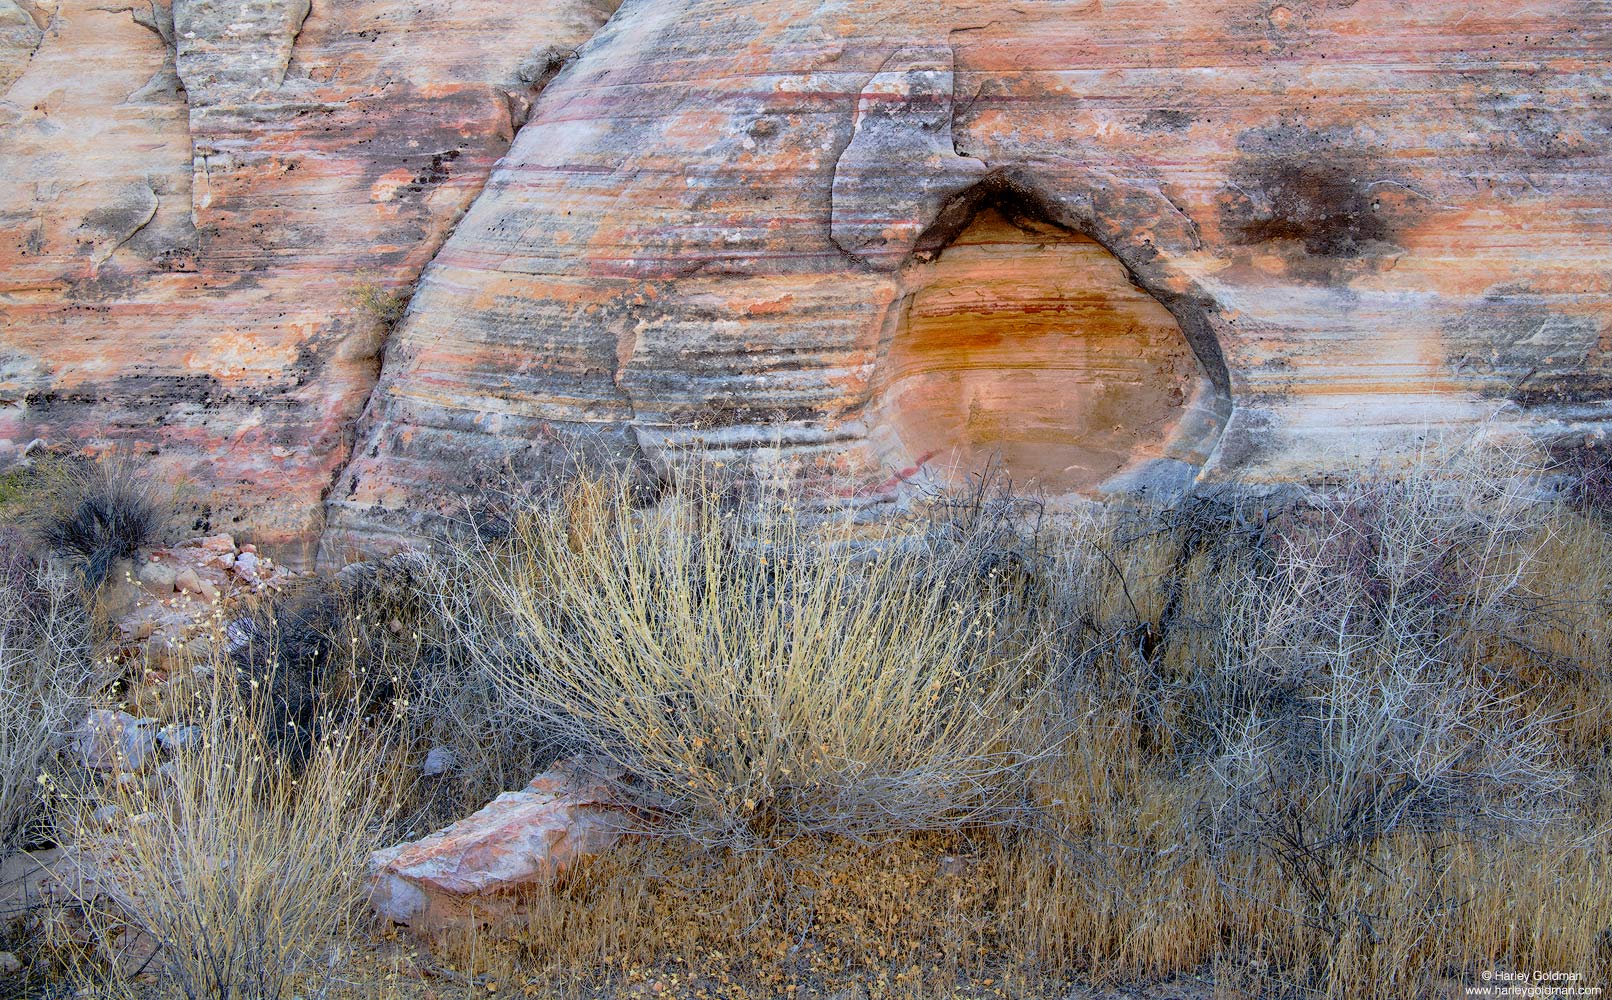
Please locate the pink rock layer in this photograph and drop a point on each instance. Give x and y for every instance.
(735, 226)
(1367, 219)
(477, 869)
(213, 210)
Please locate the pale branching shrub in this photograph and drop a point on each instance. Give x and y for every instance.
(1382, 598)
(47, 676)
(752, 672)
(239, 869)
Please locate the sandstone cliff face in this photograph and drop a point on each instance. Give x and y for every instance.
(1120, 244)
(1114, 244)
(212, 207)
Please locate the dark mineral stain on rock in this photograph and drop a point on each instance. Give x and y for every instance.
(1167, 120)
(1322, 188)
(1519, 348)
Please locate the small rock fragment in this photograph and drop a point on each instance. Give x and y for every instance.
(190, 582)
(438, 761)
(220, 543)
(109, 740)
(158, 576)
(173, 739)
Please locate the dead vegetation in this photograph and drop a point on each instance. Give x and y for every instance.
(752, 676)
(48, 675)
(228, 876)
(1280, 744)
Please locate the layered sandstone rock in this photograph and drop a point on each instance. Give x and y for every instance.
(1117, 244)
(1112, 244)
(214, 209)
(1025, 346)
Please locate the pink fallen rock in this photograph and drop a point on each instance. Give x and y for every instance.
(476, 870)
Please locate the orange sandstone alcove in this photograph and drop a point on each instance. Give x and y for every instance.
(1027, 345)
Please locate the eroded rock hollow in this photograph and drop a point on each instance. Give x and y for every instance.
(1027, 349)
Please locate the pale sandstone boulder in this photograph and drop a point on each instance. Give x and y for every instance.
(109, 740)
(476, 870)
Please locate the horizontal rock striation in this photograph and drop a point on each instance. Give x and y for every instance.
(1121, 244)
(1111, 245)
(1026, 348)
(214, 209)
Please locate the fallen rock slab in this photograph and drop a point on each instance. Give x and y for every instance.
(109, 740)
(475, 871)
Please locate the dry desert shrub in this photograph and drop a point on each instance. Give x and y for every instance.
(48, 674)
(752, 673)
(1305, 702)
(1286, 741)
(329, 650)
(1384, 595)
(1266, 736)
(95, 513)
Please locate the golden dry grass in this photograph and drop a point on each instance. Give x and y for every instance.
(759, 676)
(237, 873)
(1276, 748)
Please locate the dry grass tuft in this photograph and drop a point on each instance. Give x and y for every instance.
(382, 304)
(242, 874)
(95, 513)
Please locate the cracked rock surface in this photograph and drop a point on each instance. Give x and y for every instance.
(214, 209)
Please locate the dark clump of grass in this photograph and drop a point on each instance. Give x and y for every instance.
(96, 513)
(333, 646)
(1584, 471)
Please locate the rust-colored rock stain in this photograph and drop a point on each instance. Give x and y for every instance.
(1028, 346)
